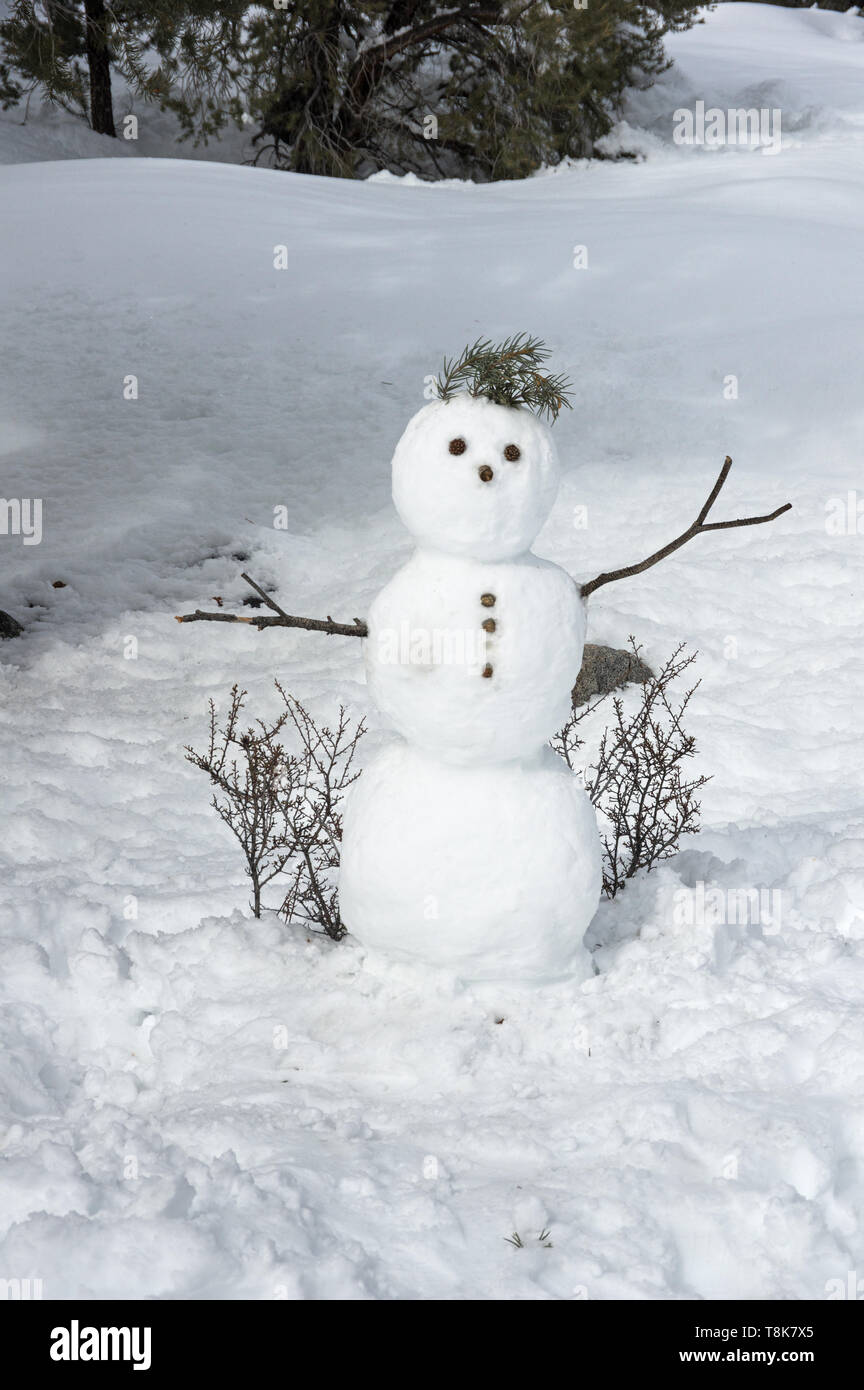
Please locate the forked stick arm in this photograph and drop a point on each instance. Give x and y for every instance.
(698, 526)
(281, 618)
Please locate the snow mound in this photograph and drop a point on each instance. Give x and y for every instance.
(806, 63)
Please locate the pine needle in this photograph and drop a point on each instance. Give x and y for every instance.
(508, 373)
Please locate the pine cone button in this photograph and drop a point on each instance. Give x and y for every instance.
(487, 670)
(489, 625)
(487, 600)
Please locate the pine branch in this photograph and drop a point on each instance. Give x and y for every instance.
(508, 374)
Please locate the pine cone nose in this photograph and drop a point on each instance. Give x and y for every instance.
(486, 474)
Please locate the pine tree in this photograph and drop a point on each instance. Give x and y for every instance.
(42, 46)
(178, 52)
(64, 48)
(488, 88)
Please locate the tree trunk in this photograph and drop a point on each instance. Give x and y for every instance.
(99, 64)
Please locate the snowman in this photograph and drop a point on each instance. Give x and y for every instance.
(467, 843)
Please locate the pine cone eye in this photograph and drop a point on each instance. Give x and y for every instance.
(458, 446)
(512, 452)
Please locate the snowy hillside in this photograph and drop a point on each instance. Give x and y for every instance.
(195, 1104)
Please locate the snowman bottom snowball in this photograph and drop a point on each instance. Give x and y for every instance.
(492, 873)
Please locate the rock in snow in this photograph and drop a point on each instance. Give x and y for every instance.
(9, 626)
(605, 669)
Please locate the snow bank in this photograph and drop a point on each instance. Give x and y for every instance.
(806, 63)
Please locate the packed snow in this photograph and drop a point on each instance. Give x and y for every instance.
(196, 1104)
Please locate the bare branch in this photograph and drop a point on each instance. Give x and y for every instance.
(698, 526)
(270, 602)
(247, 805)
(715, 491)
(370, 60)
(282, 619)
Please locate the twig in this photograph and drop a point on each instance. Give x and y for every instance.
(282, 619)
(698, 526)
(270, 602)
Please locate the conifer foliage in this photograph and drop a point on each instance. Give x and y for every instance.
(486, 89)
(509, 373)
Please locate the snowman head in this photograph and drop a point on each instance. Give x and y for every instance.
(474, 478)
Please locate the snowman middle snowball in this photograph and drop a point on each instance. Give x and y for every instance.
(472, 653)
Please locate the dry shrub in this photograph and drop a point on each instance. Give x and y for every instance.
(638, 784)
(281, 806)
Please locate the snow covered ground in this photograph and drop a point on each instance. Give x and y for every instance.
(195, 1104)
